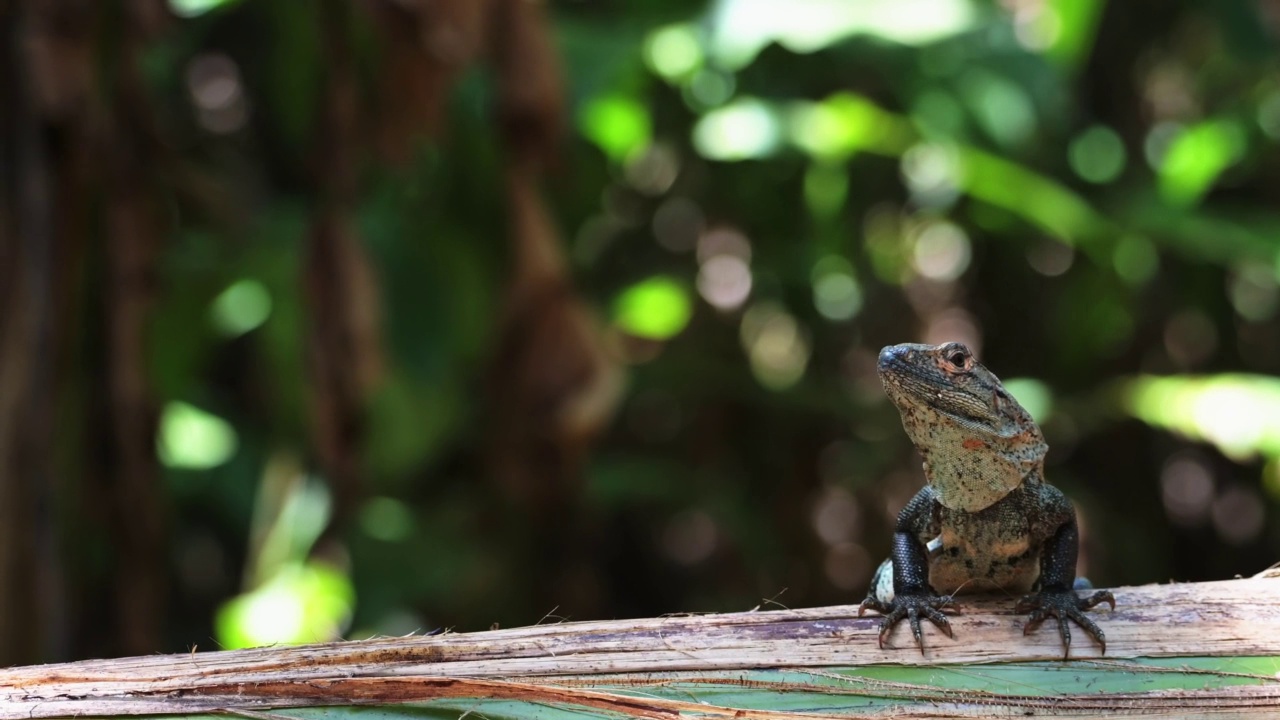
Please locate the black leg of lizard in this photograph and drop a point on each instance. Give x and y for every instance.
(912, 596)
(1056, 597)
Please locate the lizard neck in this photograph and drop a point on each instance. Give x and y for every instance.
(970, 475)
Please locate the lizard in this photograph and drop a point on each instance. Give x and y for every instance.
(986, 520)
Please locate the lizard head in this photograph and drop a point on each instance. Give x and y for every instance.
(978, 443)
(947, 382)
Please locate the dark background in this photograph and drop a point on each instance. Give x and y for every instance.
(334, 319)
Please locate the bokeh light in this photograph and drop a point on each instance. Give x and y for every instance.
(677, 224)
(690, 537)
(196, 8)
(1254, 292)
(213, 80)
(835, 516)
(1097, 154)
(653, 169)
(242, 307)
(192, 439)
(1238, 413)
(1196, 157)
(1187, 488)
(1135, 259)
(1269, 115)
(710, 88)
(386, 518)
(1001, 107)
(744, 27)
(657, 308)
(836, 293)
(302, 603)
(673, 52)
(1238, 514)
(1190, 338)
(617, 124)
(1033, 395)
(724, 272)
(724, 241)
(954, 324)
(746, 128)
(842, 124)
(826, 187)
(941, 252)
(933, 174)
(776, 345)
(724, 281)
(1050, 258)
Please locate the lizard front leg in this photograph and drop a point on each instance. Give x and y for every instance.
(913, 598)
(1056, 596)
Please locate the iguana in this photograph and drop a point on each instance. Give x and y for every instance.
(986, 520)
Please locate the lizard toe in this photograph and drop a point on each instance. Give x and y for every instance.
(1036, 617)
(1064, 630)
(872, 603)
(1090, 627)
(1102, 596)
(1064, 605)
(937, 618)
(913, 616)
(891, 617)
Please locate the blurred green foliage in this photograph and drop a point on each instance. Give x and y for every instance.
(756, 196)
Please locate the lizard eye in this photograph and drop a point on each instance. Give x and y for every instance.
(957, 358)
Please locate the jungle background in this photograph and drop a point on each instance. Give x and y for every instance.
(334, 319)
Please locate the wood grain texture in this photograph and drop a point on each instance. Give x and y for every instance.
(1231, 618)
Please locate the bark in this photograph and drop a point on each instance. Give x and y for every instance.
(27, 562)
(129, 160)
(344, 345)
(79, 128)
(552, 385)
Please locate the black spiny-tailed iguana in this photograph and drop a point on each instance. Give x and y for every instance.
(986, 521)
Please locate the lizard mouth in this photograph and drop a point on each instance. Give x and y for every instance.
(908, 385)
(968, 420)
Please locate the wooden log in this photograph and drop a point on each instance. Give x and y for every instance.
(589, 664)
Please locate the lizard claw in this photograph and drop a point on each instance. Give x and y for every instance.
(913, 607)
(1064, 605)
